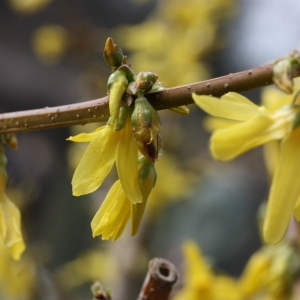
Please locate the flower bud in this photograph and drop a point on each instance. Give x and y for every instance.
(147, 180)
(146, 127)
(283, 75)
(112, 54)
(145, 81)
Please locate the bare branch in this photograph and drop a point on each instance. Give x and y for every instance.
(97, 110)
(159, 281)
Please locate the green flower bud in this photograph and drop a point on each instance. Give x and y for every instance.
(283, 75)
(117, 84)
(146, 127)
(147, 179)
(145, 81)
(112, 54)
(123, 115)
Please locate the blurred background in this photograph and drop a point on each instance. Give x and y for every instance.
(51, 54)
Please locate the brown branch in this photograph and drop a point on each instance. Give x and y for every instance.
(97, 110)
(159, 281)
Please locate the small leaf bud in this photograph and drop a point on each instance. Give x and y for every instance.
(112, 54)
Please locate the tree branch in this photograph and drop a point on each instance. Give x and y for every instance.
(159, 281)
(97, 110)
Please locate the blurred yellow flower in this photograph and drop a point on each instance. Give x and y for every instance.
(28, 6)
(89, 266)
(10, 217)
(269, 274)
(17, 278)
(256, 126)
(154, 44)
(200, 280)
(50, 43)
(176, 184)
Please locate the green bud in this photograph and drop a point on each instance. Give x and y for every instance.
(181, 110)
(112, 54)
(283, 75)
(117, 84)
(147, 179)
(146, 127)
(145, 81)
(123, 115)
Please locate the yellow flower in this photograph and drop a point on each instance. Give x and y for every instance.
(50, 43)
(28, 6)
(128, 196)
(256, 126)
(201, 282)
(106, 147)
(271, 271)
(10, 217)
(17, 278)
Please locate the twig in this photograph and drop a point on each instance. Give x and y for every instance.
(159, 281)
(97, 110)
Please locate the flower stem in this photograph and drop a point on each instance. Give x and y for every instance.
(97, 110)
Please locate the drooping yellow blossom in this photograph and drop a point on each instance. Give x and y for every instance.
(256, 126)
(10, 217)
(200, 280)
(106, 147)
(128, 196)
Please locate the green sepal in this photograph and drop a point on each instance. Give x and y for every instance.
(181, 110)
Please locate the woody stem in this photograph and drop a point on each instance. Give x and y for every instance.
(97, 110)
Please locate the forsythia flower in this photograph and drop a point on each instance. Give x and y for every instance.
(269, 274)
(127, 197)
(106, 147)
(10, 218)
(200, 281)
(256, 126)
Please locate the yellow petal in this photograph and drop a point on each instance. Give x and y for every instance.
(297, 210)
(96, 162)
(127, 164)
(116, 91)
(86, 137)
(228, 143)
(285, 189)
(10, 230)
(136, 214)
(232, 106)
(113, 213)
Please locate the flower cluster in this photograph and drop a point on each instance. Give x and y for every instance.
(253, 126)
(133, 128)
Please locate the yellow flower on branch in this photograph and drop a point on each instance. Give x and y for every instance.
(255, 125)
(106, 147)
